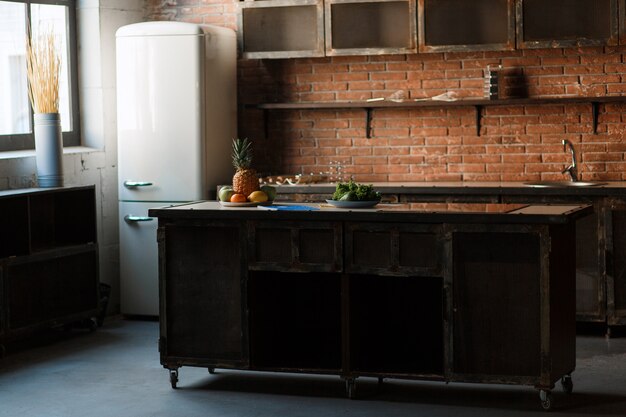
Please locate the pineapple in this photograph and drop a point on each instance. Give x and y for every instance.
(245, 180)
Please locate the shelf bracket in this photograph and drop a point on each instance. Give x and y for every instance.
(594, 116)
(368, 122)
(479, 109)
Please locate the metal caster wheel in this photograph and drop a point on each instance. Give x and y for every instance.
(380, 380)
(92, 324)
(173, 377)
(567, 384)
(211, 371)
(546, 399)
(351, 388)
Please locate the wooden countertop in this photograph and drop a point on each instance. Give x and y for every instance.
(402, 212)
(614, 188)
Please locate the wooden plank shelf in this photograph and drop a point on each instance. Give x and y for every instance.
(478, 105)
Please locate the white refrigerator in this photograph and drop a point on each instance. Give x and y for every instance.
(176, 118)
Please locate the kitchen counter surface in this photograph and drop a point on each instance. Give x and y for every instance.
(469, 188)
(399, 212)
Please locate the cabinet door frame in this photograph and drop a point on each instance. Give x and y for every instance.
(614, 315)
(544, 378)
(564, 43)
(621, 7)
(295, 263)
(317, 51)
(167, 359)
(509, 45)
(328, 24)
(394, 268)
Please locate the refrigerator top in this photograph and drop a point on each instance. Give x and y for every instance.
(159, 29)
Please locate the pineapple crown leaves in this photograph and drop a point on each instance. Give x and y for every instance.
(242, 153)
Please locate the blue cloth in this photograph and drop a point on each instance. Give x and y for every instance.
(276, 207)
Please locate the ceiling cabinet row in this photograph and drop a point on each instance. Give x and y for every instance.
(314, 28)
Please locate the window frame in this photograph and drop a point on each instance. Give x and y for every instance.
(26, 141)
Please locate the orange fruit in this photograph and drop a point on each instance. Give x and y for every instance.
(238, 198)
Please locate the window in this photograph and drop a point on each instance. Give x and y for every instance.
(16, 121)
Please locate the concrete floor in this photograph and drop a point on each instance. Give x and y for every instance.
(115, 371)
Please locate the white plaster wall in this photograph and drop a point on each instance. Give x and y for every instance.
(96, 161)
(97, 22)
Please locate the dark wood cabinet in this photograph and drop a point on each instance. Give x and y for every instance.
(441, 295)
(312, 28)
(48, 259)
(370, 27)
(202, 293)
(563, 23)
(600, 250)
(460, 25)
(281, 29)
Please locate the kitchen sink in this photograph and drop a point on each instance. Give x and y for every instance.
(540, 184)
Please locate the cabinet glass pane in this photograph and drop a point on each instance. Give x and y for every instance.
(371, 25)
(462, 22)
(556, 20)
(292, 28)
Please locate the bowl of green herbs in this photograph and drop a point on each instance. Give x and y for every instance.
(353, 195)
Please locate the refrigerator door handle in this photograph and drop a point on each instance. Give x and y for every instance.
(129, 218)
(132, 184)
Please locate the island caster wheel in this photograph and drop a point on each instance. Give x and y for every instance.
(173, 377)
(546, 399)
(92, 324)
(351, 388)
(567, 384)
(211, 371)
(380, 380)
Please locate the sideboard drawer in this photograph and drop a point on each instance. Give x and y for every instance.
(295, 246)
(393, 249)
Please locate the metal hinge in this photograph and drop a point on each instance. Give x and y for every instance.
(160, 234)
(162, 344)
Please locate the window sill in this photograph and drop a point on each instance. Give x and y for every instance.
(31, 152)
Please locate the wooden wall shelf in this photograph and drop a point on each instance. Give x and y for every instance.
(478, 105)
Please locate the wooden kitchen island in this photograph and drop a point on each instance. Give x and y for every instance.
(473, 293)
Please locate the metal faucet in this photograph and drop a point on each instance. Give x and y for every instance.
(571, 170)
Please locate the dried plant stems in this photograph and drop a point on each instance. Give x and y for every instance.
(43, 63)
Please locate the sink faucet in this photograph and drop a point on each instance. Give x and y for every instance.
(571, 170)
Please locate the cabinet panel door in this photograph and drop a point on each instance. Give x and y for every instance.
(295, 246)
(563, 23)
(616, 265)
(496, 304)
(393, 249)
(461, 25)
(370, 27)
(281, 29)
(201, 280)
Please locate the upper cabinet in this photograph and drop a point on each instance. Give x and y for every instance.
(315, 28)
(281, 28)
(461, 25)
(563, 23)
(370, 27)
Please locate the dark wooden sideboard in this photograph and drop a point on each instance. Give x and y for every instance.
(448, 294)
(600, 246)
(48, 260)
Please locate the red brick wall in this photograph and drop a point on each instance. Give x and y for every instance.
(516, 142)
